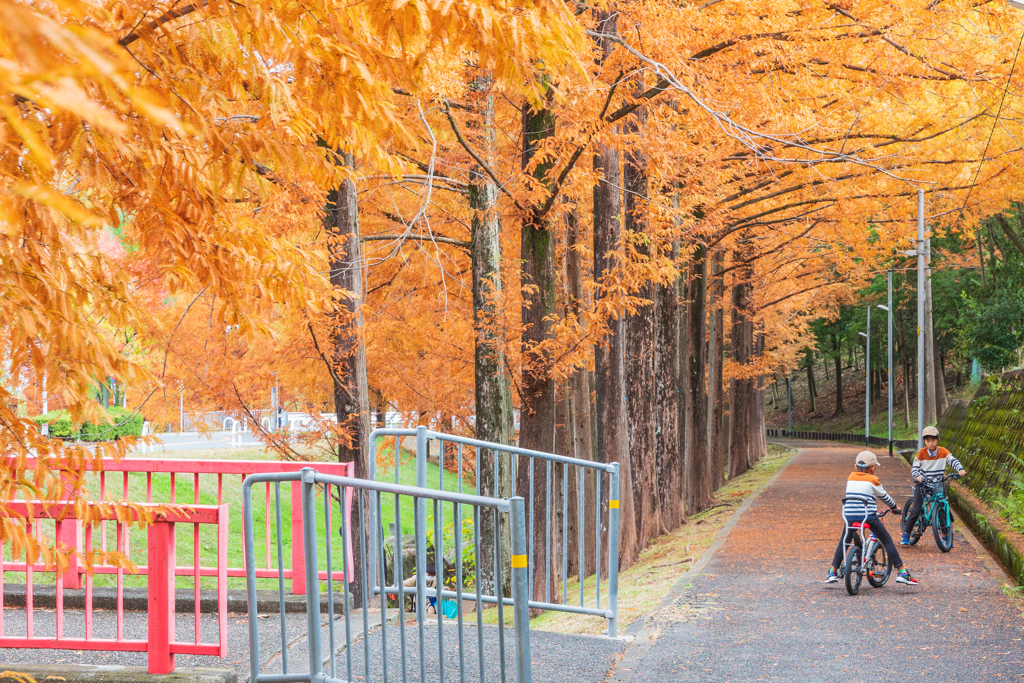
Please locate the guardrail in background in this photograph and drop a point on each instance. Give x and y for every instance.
(553, 466)
(160, 643)
(206, 477)
(844, 437)
(384, 658)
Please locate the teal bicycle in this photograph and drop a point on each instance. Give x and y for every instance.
(935, 513)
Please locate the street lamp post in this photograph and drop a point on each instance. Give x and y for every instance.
(888, 309)
(867, 381)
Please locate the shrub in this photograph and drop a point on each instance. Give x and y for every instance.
(124, 423)
(60, 423)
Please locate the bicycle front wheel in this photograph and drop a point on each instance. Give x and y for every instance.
(879, 565)
(942, 527)
(851, 568)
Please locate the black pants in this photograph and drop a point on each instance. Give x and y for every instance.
(915, 509)
(880, 533)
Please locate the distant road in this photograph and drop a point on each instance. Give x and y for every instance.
(191, 441)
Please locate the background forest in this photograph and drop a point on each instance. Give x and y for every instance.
(595, 229)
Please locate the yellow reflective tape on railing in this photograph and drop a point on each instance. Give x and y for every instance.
(613, 503)
(519, 561)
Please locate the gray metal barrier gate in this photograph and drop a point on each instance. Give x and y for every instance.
(585, 469)
(380, 661)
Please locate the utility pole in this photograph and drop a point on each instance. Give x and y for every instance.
(888, 309)
(920, 317)
(867, 384)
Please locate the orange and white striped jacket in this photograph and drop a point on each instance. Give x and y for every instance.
(861, 490)
(932, 464)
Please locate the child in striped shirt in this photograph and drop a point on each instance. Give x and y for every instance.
(862, 488)
(929, 465)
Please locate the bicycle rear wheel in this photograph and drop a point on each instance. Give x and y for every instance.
(851, 568)
(879, 565)
(942, 527)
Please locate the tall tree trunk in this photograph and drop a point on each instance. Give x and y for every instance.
(537, 412)
(758, 433)
(941, 397)
(640, 330)
(905, 362)
(669, 453)
(493, 390)
(698, 476)
(610, 416)
(351, 395)
(742, 389)
(581, 424)
(716, 386)
(838, 357)
(809, 365)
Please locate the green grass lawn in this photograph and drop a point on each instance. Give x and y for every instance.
(232, 496)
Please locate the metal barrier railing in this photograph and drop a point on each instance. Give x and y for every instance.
(554, 466)
(842, 436)
(381, 661)
(195, 482)
(101, 630)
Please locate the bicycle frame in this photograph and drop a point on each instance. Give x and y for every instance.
(936, 497)
(862, 536)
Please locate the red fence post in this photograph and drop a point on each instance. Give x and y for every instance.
(298, 554)
(161, 597)
(68, 534)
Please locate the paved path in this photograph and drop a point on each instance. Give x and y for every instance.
(553, 654)
(759, 611)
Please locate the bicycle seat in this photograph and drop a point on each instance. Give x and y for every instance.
(860, 525)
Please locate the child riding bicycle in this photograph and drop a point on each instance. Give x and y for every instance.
(929, 466)
(862, 488)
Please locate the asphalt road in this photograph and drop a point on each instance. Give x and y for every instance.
(759, 609)
(191, 441)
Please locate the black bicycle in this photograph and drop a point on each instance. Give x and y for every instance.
(935, 513)
(865, 555)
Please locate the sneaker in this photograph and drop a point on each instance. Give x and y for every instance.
(905, 540)
(905, 577)
(832, 576)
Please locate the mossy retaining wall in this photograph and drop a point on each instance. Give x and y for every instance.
(987, 436)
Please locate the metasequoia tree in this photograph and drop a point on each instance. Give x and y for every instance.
(774, 200)
(660, 194)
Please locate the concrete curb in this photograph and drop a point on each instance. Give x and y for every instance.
(85, 673)
(637, 634)
(137, 600)
(1009, 555)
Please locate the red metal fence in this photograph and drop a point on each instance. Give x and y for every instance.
(161, 643)
(161, 565)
